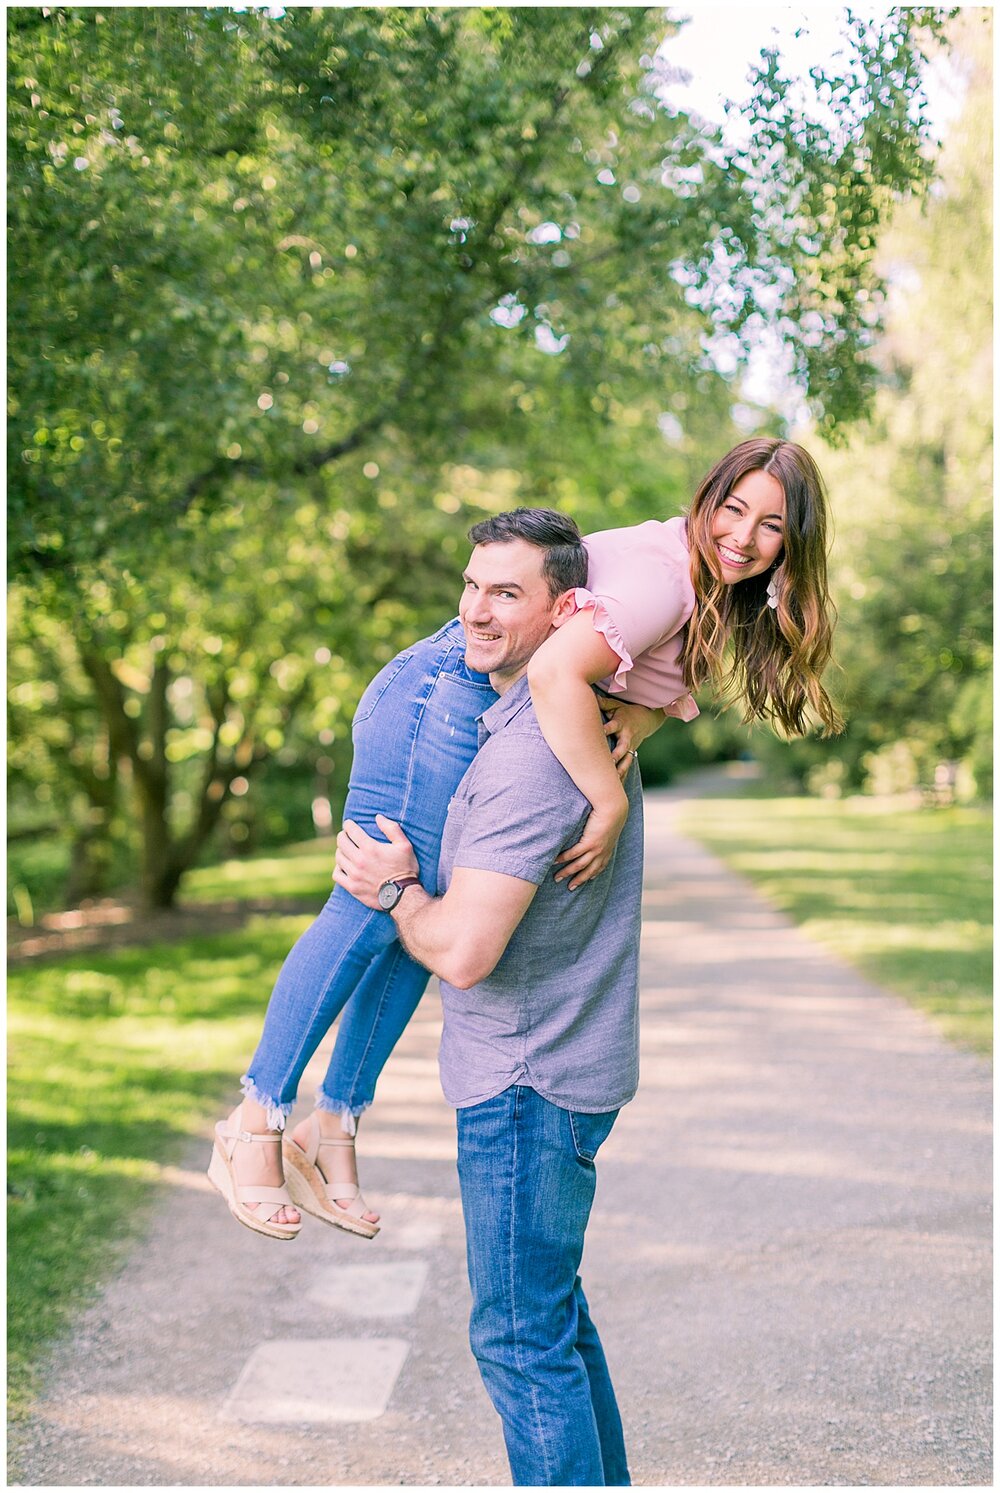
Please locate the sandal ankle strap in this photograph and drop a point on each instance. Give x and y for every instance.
(231, 1138)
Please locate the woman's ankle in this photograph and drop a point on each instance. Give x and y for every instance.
(331, 1125)
(253, 1117)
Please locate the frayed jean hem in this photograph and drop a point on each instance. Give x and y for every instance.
(349, 1113)
(277, 1113)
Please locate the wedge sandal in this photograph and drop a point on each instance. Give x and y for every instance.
(222, 1175)
(314, 1194)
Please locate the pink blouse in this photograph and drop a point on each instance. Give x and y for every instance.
(639, 586)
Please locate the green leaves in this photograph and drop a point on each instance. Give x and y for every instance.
(822, 180)
(278, 285)
(911, 489)
(245, 245)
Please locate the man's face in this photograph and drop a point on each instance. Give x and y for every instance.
(506, 609)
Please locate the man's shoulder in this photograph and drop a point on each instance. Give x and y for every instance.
(518, 758)
(523, 723)
(521, 739)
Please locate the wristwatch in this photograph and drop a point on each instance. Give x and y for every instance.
(390, 891)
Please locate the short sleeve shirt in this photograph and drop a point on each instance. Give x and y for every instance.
(640, 590)
(559, 1012)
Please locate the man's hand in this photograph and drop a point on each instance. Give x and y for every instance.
(363, 864)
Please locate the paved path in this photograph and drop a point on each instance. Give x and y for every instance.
(788, 1258)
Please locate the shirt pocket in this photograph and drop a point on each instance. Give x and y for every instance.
(458, 809)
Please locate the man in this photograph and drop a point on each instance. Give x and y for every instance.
(539, 989)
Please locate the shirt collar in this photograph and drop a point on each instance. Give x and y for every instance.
(504, 710)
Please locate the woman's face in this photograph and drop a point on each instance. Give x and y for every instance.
(748, 527)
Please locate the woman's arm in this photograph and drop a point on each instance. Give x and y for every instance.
(560, 675)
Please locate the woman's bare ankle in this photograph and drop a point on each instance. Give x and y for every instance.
(331, 1126)
(253, 1117)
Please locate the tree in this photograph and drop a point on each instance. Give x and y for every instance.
(204, 205)
(912, 488)
(267, 270)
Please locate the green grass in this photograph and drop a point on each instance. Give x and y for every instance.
(904, 894)
(115, 1062)
(303, 870)
(37, 871)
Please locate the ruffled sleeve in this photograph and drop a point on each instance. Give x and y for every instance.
(605, 623)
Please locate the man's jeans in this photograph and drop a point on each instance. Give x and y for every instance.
(527, 1174)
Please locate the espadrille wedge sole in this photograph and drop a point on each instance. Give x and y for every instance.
(315, 1195)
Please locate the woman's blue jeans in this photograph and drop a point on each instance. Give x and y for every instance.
(526, 1169)
(414, 734)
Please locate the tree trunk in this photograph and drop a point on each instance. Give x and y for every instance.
(159, 879)
(90, 862)
(166, 857)
(160, 883)
(91, 855)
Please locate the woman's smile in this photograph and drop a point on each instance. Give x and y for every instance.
(730, 557)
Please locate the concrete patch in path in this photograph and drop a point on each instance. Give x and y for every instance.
(315, 1382)
(371, 1290)
(418, 1233)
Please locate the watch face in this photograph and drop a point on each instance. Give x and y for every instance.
(388, 895)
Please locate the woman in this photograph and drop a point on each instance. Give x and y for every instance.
(744, 573)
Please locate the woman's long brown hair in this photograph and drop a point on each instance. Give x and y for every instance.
(769, 658)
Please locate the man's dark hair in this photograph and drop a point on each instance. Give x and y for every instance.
(565, 562)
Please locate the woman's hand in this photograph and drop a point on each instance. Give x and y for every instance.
(631, 724)
(592, 852)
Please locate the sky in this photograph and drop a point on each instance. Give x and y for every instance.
(719, 42)
(717, 46)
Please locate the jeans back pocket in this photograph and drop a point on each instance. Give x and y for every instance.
(589, 1132)
(380, 684)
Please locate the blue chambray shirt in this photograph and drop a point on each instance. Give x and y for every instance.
(559, 1012)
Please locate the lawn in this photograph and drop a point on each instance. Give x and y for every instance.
(37, 870)
(303, 870)
(116, 1061)
(903, 893)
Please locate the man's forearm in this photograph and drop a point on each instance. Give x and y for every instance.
(427, 931)
(461, 936)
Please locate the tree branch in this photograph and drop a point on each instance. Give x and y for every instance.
(110, 692)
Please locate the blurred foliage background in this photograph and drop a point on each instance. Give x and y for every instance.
(295, 298)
